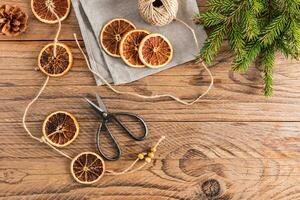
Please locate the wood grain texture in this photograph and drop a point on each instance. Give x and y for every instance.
(251, 161)
(235, 97)
(235, 144)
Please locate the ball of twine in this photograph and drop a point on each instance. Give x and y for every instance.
(158, 12)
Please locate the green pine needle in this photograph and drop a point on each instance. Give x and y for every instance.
(236, 39)
(270, 32)
(212, 44)
(221, 6)
(242, 63)
(268, 60)
(210, 18)
(283, 48)
(257, 5)
(251, 25)
(254, 29)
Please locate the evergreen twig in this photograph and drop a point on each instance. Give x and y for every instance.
(268, 60)
(254, 29)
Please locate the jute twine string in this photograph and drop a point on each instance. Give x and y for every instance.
(127, 171)
(144, 96)
(51, 7)
(41, 139)
(162, 15)
(57, 34)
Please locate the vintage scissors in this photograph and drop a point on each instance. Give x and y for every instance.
(115, 118)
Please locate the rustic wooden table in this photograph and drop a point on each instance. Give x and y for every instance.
(235, 144)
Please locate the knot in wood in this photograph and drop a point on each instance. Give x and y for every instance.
(211, 188)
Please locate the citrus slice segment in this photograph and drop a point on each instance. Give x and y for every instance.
(155, 51)
(60, 129)
(55, 66)
(129, 47)
(87, 168)
(43, 10)
(112, 33)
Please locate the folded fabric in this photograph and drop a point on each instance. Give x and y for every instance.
(92, 15)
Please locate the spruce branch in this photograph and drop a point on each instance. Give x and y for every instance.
(254, 29)
(283, 48)
(270, 32)
(293, 35)
(210, 18)
(268, 60)
(236, 39)
(252, 51)
(212, 44)
(221, 6)
(258, 6)
(251, 25)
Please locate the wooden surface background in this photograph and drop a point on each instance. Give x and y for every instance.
(234, 144)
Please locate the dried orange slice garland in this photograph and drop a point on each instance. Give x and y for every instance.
(45, 10)
(155, 51)
(129, 47)
(60, 128)
(112, 33)
(58, 65)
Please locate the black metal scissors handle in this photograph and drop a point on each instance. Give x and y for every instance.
(113, 118)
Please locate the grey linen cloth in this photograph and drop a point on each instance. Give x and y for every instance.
(92, 15)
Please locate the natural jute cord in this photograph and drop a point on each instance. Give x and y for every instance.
(144, 96)
(51, 8)
(42, 139)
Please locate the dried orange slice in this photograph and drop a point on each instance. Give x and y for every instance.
(42, 10)
(55, 66)
(129, 47)
(60, 128)
(112, 33)
(155, 51)
(87, 168)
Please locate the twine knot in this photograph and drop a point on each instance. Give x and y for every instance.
(43, 140)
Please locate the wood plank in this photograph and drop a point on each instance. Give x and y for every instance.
(248, 160)
(235, 97)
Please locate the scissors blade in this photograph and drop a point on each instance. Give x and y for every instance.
(100, 103)
(97, 108)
